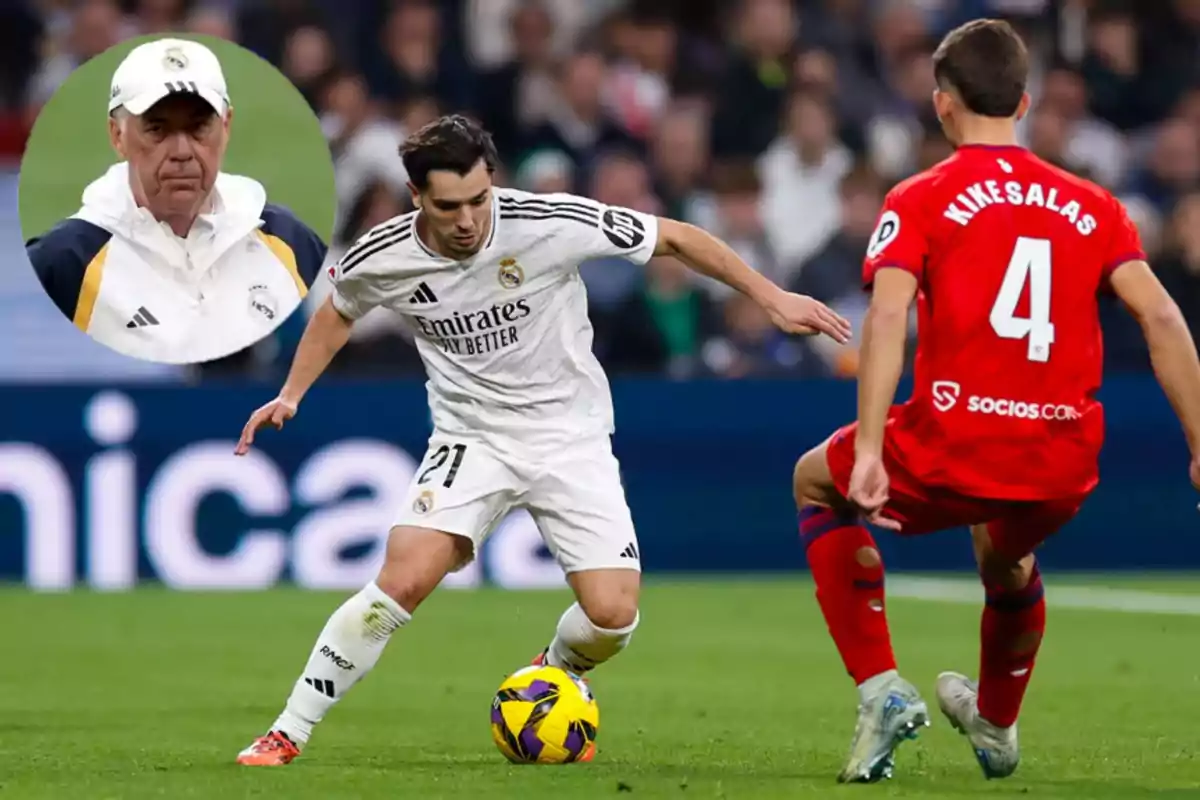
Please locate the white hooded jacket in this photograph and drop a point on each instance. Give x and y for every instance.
(131, 283)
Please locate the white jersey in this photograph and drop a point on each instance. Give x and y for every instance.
(504, 335)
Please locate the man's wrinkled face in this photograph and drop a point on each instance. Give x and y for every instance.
(174, 151)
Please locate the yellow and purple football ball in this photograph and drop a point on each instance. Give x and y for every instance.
(545, 715)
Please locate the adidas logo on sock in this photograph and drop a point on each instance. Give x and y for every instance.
(322, 685)
(630, 551)
(579, 663)
(423, 294)
(142, 319)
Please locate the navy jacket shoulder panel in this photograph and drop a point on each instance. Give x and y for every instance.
(307, 246)
(60, 257)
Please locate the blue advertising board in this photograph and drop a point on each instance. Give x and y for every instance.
(106, 486)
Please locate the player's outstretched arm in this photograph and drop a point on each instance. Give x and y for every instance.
(326, 333)
(708, 255)
(1172, 351)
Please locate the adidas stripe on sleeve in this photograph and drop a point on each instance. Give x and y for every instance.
(590, 229)
(355, 289)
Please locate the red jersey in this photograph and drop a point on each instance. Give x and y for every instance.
(1010, 254)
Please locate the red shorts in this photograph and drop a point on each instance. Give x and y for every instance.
(1016, 527)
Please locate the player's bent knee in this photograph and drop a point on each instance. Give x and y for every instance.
(609, 597)
(611, 613)
(416, 561)
(812, 484)
(800, 482)
(1002, 571)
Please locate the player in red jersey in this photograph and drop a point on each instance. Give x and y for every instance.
(1005, 256)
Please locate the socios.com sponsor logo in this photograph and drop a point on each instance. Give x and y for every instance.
(947, 393)
(1020, 409)
(349, 490)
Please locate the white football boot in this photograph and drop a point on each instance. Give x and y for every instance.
(996, 748)
(890, 715)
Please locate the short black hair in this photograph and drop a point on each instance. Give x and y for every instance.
(986, 63)
(453, 142)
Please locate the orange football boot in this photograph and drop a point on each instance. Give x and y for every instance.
(272, 750)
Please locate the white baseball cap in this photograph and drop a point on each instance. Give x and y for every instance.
(157, 69)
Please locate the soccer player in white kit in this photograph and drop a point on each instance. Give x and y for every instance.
(488, 280)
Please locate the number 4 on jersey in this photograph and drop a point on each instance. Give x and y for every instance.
(1030, 263)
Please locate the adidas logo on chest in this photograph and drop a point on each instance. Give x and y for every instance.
(423, 295)
(485, 285)
(142, 319)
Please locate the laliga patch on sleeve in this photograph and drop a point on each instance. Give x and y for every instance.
(885, 233)
(623, 229)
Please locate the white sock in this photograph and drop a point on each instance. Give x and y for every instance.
(873, 685)
(579, 645)
(347, 649)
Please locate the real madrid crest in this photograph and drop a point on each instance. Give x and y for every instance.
(174, 59)
(511, 275)
(424, 502)
(262, 301)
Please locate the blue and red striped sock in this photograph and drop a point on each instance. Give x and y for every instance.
(1010, 635)
(848, 570)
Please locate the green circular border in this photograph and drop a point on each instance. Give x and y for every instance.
(276, 139)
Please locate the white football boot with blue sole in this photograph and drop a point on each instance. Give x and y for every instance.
(894, 714)
(996, 749)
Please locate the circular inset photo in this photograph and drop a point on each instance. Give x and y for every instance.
(176, 198)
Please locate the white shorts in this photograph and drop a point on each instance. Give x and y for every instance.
(466, 485)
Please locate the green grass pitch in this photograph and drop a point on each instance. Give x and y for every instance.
(275, 139)
(730, 690)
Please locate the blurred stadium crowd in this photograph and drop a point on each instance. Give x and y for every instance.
(775, 124)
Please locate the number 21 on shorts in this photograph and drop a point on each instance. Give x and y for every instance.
(1029, 264)
(438, 459)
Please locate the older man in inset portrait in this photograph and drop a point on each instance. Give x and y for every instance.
(170, 259)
